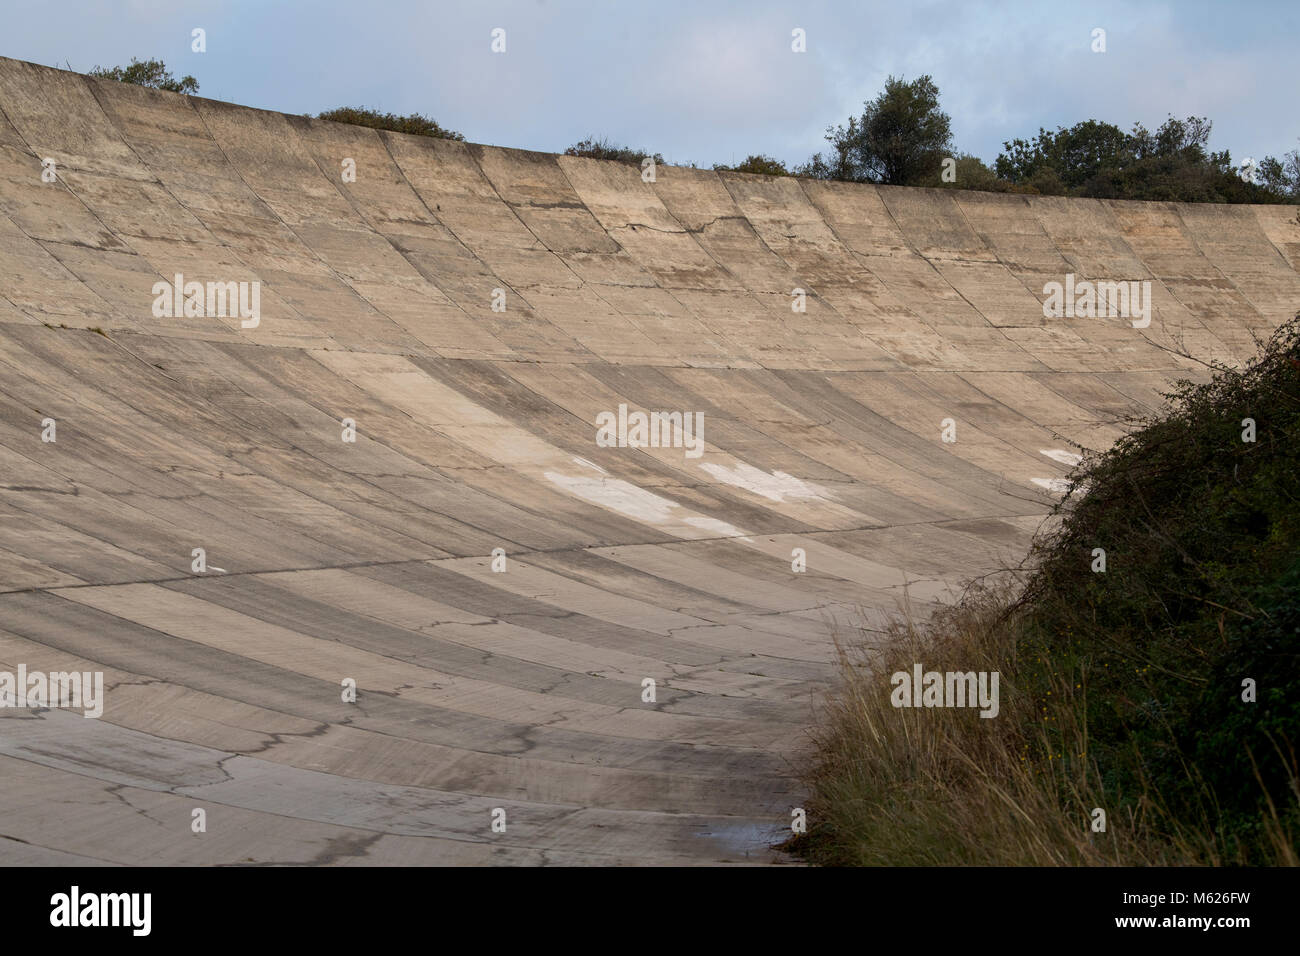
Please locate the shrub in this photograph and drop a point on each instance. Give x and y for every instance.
(759, 164)
(604, 149)
(1121, 690)
(900, 138)
(416, 124)
(150, 73)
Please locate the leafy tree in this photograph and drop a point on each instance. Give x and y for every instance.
(1186, 139)
(604, 149)
(151, 73)
(1172, 163)
(1076, 154)
(971, 172)
(1281, 176)
(901, 138)
(758, 163)
(416, 124)
(840, 163)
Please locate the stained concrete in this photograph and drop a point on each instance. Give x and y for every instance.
(373, 560)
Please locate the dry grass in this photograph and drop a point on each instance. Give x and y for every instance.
(1121, 687)
(943, 786)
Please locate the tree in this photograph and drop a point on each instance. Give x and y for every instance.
(840, 165)
(1174, 163)
(971, 172)
(1281, 176)
(151, 73)
(901, 138)
(604, 149)
(417, 124)
(1075, 155)
(1186, 139)
(758, 163)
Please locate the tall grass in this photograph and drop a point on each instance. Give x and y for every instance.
(1121, 691)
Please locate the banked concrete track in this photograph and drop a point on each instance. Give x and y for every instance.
(476, 431)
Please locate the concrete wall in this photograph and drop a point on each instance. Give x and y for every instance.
(476, 431)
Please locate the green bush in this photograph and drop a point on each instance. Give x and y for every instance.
(150, 73)
(758, 164)
(604, 149)
(1174, 163)
(901, 138)
(416, 124)
(1202, 538)
(1121, 689)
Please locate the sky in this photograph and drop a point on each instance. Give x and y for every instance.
(707, 81)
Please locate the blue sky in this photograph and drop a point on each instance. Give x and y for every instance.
(707, 81)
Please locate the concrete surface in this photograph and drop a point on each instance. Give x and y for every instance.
(522, 689)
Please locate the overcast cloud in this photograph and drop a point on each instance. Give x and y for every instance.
(707, 81)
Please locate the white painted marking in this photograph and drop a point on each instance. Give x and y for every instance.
(1064, 457)
(637, 503)
(777, 486)
(1058, 486)
(720, 528)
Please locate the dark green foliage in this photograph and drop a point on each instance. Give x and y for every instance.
(1281, 177)
(416, 124)
(1247, 746)
(901, 138)
(1076, 154)
(759, 164)
(1101, 161)
(604, 149)
(1201, 590)
(970, 172)
(150, 73)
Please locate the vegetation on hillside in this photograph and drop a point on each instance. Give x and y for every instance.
(603, 149)
(417, 124)
(151, 73)
(1100, 160)
(758, 164)
(1163, 690)
(903, 137)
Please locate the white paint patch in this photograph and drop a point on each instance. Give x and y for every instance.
(720, 528)
(637, 503)
(777, 486)
(617, 495)
(1064, 457)
(1057, 486)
